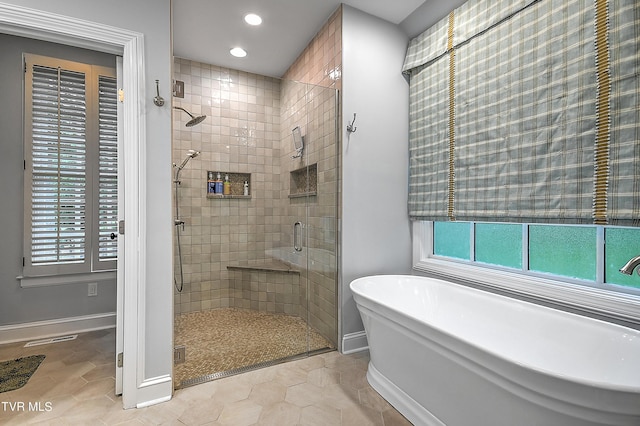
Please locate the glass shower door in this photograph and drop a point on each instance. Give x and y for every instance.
(311, 207)
(260, 268)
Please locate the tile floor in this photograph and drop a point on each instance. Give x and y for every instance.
(75, 385)
(256, 337)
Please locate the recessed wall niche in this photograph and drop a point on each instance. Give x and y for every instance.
(236, 180)
(304, 181)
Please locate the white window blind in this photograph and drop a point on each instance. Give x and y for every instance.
(108, 169)
(70, 167)
(59, 183)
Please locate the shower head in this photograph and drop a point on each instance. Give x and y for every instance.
(194, 120)
(191, 154)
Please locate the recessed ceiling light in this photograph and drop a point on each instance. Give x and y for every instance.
(252, 19)
(238, 52)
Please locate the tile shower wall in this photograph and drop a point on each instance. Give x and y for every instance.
(241, 134)
(321, 61)
(248, 130)
(320, 66)
(314, 109)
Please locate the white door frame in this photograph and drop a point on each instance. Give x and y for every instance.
(21, 21)
(121, 243)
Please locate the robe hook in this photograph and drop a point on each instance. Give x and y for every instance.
(158, 100)
(350, 127)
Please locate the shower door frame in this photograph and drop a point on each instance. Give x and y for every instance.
(307, 226)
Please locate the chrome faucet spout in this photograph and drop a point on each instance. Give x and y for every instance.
(630, 266)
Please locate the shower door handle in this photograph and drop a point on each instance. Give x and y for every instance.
(296, 236)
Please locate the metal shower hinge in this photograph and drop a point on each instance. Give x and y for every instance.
(178, 88)
(179, 354)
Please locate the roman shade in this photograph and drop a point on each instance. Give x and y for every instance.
(527, 111)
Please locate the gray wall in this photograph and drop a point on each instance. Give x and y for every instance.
(20, 305)
(376, 236)
(152, 18)
(427, 15)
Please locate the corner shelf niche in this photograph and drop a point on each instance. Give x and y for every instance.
(237, 185)
(304, 181)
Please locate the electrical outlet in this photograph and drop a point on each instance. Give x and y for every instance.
(93, 289)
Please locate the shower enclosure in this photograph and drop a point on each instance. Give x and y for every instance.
(259, 270)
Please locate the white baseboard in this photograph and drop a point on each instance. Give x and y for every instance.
(405, 404)
(57, 327)
(354, 342)
(154, 391)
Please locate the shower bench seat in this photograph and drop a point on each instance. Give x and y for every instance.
(264, 266)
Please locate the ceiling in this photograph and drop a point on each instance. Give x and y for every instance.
(205, 30)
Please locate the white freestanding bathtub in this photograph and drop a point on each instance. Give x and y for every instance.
(445, 354)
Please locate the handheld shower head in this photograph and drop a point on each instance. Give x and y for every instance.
(194, 120)
(191, 154)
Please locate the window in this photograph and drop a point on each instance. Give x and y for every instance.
(573, 265)
(70, 167)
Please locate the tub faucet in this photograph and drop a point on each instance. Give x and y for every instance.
(630, 266)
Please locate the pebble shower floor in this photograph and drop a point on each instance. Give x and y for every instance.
(232, 339)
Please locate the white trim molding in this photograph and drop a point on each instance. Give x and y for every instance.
(83, 278)
(155, 390)
(26, 22)
(51, 328)
(354, 342)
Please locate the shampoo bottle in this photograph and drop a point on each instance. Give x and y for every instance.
(211, 184)
(218, 184)
(246, 188)
(226, 185)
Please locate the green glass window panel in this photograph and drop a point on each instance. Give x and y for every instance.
(499, 244)
(452, 239)
(622, 244)
(563, 250)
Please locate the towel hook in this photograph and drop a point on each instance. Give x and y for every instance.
(350, 127)
(158, 100)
